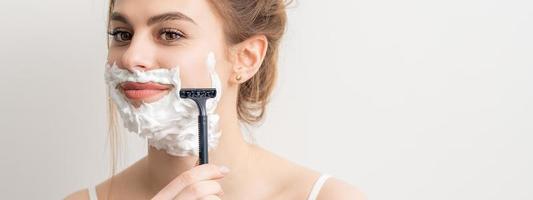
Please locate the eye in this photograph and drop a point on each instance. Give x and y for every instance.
(170, 35)
(121, 35)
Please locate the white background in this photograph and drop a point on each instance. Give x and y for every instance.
(410, 99)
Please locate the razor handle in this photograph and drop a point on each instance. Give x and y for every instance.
(202, 132)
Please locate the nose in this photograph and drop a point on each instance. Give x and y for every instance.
(140, 54)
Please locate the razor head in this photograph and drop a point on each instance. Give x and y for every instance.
(199, 96)
(198, 93)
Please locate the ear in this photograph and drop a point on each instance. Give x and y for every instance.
(249, 56)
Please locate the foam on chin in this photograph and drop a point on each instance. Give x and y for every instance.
(171, 123)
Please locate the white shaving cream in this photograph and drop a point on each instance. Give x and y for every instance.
(171, 123)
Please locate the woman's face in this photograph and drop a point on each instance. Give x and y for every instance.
(150, 34)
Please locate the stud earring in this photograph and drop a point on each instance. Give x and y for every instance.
(238, 78)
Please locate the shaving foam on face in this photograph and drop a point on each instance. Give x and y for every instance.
(171, 123)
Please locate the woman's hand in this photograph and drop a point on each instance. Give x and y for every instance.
(196, 183)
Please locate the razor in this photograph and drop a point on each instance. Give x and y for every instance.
(200, 96)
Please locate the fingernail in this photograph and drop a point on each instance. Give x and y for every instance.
(223, 169)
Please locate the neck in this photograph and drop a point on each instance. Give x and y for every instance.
(232, 151)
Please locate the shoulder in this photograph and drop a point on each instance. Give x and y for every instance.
(336, 189)
(109, 187)
(78, 195)
(102, 188)
(297, 180)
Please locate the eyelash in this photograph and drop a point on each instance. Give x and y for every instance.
(117, 33)
(176, 32)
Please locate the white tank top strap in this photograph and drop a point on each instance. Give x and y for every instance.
(317, 186)
(92, 193)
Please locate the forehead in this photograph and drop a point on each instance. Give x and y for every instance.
(138, 11)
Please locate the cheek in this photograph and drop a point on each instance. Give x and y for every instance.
(224, 70)
(195, 73)
(192, 64)
(113, 55)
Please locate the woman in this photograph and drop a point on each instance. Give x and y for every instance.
(243, 37)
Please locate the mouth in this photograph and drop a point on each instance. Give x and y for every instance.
(144, 91)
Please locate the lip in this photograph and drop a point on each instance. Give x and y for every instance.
(144, 91)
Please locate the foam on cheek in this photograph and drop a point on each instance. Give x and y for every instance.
(215, 81)
(171, 122)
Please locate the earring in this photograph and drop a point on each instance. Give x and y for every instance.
(238, 78)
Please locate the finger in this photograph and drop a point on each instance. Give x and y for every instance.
(196, 174)
(211, 197)
(200, 190)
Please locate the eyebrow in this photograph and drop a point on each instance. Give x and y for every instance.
(116, 16)
(169, 16)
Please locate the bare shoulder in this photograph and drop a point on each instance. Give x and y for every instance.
(337, 189)
(78, 195)
(111, 187)
(102, 188)
(299, 180)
